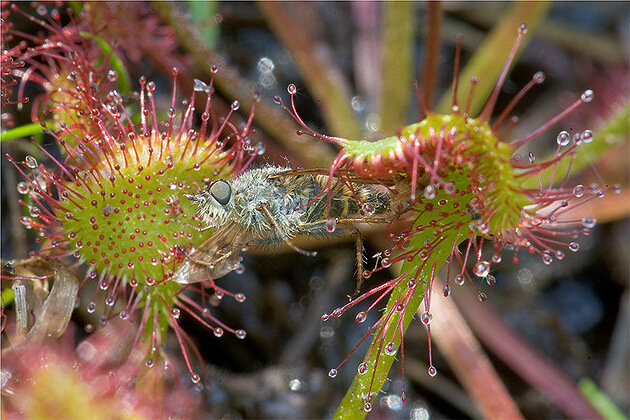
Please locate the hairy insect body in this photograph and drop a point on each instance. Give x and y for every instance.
(286, 197)
(270, 205)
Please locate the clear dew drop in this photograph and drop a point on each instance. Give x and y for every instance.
(578, 191)
(482, 297)
(195, 378)
(563, 138)
(330, 225)
(23, 188)
(459, 279)
(30, 161)
(483, 227)
(240, 334)
(325, 317)
(112, 76)
(239, 297)
(547, 258)
(429, 192)
(200, 86)
(588, 95)
(390, 349)
(240, 269)
(496, 258)
(295, 384)
(586, 136)
(291, 89)
(149, 363)
(124, 315)
(589, 222)
(539, 77)
(175, 313)
(218, 332)
(491, 280)
(432, 371)
(361, 317)
(481, 269)
(531, 157)
(362, 368)
(574, 247)
(91, 307)
(426, 318)
(367, 407)
(332, 373)
(235, 106)
(446, 291)
(259, 148)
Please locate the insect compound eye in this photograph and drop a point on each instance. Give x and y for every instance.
(221, 191)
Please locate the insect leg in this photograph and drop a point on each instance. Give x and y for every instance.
(197, 228)
(358, 241)
(363, 220)
(283, 235)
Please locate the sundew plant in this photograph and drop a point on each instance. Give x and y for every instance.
(498, 131)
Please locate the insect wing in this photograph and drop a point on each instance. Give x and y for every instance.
(216, 257)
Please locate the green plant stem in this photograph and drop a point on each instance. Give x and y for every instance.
(352, 405)
(7, 296)
(488, 60)
(22, 131)
(396, 64)
(322, 76)
(270, 118)
(600, 401)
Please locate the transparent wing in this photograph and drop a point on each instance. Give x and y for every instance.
(341, 173)
(216, 257)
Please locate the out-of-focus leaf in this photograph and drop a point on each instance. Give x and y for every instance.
(322, 75)
(396, 64)
(124, 85)
(270, 118)
(201, 12)
(488, 60)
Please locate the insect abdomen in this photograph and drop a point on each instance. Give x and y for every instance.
(360, 201)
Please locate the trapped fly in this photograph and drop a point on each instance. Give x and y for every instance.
(270, 205)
